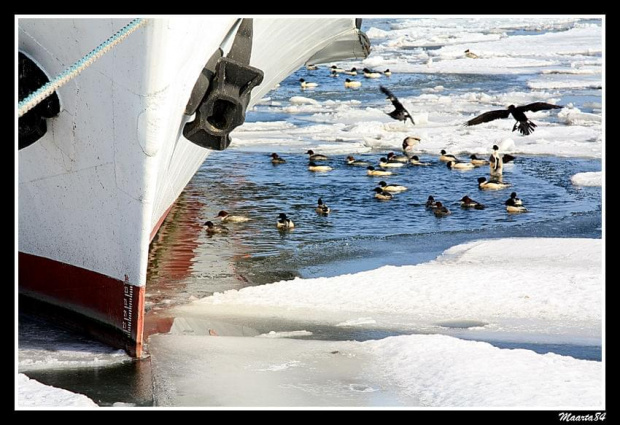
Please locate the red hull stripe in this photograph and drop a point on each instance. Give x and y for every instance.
(159, 222)
(109, 309)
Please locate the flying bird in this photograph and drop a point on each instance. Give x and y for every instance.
(400, 113)
(524, 125)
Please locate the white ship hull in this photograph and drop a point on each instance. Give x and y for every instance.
(96, 187)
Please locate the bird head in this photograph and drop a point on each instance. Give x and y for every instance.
(473, 156)
(511, 108)
(301, 80)
(443, 151)
(482, 179)
(431, 198)
(208, 224)
(513, 195)
(282, 216)
(495, 148)
(465, 199)
(382, 183)
(221, 214)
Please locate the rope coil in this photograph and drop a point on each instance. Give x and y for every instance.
(74, 70)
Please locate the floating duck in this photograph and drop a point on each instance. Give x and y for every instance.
(225, 217)
(382, 194)
(322, 208)
(306, 84)
(371, 74)
(316, 156)
(440, 210)
(430, 202)
(387, 73)
(352, 71)
(416, 161)
(276, 159)
(312, 166)
(372, 172)
(460, 165)
(477, 161)
(351, 84)
(467, 202)
(336, 69)
(395, 188)
(514, 204)
(384, 163)
(356, 162)
(392, 157)
(491, 185)
(311, 67)
(284, 222)
(212, 228)
(445, 157)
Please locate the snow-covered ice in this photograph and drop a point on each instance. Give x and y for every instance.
(594, 178)
(405, 371)
(33, 394)
(514, 286)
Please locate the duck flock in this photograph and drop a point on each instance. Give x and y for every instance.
(388, 191)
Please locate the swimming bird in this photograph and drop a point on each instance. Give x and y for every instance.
(392, 187)
(316, 156)
(351, 84)
(382, 194)
(212, 228)
(460, 165)
(516, 200)
(477, 161)
(333, 74)
(387, 73)
(284, 222)
(227, 218)
(322, 208)
(523, 124)
(400, 113)
(430, 202)
(416, 161)
(392, 157)
(371, 74)
(356, 162)
(334, 68)
(384, 163)
(409, 144)
(306, 84)
(445, 157)
(373, 172)
(276, 159)
(311, 67)
(471, 55)
(440, 211)
(491, 184)
(312, 166)
(352, 71)
(513, 207)
(496, 162)
(467, 202)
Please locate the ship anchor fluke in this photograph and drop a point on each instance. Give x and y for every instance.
(222, 92)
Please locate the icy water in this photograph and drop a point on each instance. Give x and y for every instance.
(361, 233)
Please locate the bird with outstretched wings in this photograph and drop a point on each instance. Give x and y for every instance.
(523, 124)
(399, 113)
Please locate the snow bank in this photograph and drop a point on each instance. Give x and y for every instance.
(445, 371)
(594, 178)
(404, 371)
(31, 393)
(516, 284)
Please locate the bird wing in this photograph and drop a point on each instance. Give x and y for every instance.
(538, 106)
(489, 116)
(390, 96)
